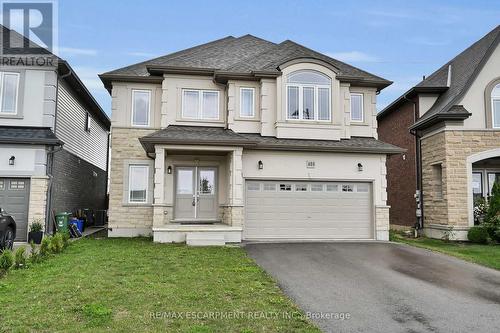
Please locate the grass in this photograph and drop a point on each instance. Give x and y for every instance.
(135, 285)
(486, 255)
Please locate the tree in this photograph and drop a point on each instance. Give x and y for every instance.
(494, 202)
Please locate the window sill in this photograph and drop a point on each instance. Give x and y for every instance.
(354, 123)
(131, 204)
(10, 116)
(189, 120)
(246, 119)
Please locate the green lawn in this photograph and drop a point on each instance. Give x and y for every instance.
(487, 255)
(117, 284)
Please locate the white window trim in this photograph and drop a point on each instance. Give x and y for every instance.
(130, 166)
(253, 102)
(316, 100)
(362, 109)
(17, 94)
(493, 99)
(133, 108)
(200, 104)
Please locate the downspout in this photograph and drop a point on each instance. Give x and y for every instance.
(226, 90)
(50, 157)
(419, 225)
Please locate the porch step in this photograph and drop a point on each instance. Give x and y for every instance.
(205, 239)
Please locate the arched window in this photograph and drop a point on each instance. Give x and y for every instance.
(308, 96)
(495, 106)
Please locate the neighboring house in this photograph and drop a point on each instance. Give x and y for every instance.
(53, 144)
(265, 140)
(454, 144)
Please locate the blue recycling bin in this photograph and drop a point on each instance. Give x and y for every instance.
(79, 224)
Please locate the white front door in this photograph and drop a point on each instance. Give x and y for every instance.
(196, 193)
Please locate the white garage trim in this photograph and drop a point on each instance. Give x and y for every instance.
(290, 221)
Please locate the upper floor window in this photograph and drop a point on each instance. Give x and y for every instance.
(200, 104)
(308, 96)
(357, 107)
(495, 106)
(141, 100)
(247, 102)
(9, 85)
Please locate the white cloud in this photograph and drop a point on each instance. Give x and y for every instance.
(72, 51)
(353, 56)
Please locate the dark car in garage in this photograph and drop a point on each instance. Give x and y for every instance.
(7, 230)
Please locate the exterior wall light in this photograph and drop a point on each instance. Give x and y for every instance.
(12, 160)
(169, 169)
(360, 167)
(261, 165)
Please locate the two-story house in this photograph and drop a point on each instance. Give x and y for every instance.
(453, 153)
(53, 142)
(242, 138)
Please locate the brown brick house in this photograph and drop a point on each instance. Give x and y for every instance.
(453, 146)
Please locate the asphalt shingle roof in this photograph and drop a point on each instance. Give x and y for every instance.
(454, 78)
(28, 135)
(200, 135)
(243, 55)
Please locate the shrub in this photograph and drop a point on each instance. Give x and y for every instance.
(494, 203)
(65, 238)
(36, 226)
(478, 234)
(56, 243)
(34, 256)
(493, 228)
(45, 246)
(6, 261)
(20, 257)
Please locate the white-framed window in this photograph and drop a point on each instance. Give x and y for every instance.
(9, 90)
(316, 187)
(141, 107)
(495, 106)
(247, 102)
(357, 112)
(332, 188)
(253, 186)
(88, 121)
(362, 188)
(347, 188)
(269, 187)
(285, 187)
(138, 183)
(200, 104)
(308, 96)
(17, 185)
(301, 187)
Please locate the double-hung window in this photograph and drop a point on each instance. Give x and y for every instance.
(9, 86)
(357, 108)
(247, 102)
(308, 96)
(138, 180)
(141, 101)
(495, 106)
(200, 104)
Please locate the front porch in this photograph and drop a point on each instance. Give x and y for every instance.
(197, 194)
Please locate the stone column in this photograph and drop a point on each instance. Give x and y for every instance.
(234, 212)
(159, 188)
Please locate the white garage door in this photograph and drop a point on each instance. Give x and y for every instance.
(308, 210)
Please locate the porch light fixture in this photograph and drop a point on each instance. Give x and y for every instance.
(169, 169)
(12, 160)
(360, 167)
(261, 165)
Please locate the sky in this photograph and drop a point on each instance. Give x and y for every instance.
(398, 40)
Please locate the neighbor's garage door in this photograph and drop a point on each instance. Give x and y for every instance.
(308, 210)
(14, 199)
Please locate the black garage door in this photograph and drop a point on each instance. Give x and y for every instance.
(14, 199)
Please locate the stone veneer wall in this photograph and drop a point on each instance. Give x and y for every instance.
(451, 148)
(126, 220)
(38, 198)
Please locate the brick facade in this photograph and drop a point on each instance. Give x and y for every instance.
(451, 149)
(401, 173)
(77, 184)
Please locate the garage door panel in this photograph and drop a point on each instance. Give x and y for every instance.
(327, 213)
(14, 199)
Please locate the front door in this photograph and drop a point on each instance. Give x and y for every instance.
(196, 193)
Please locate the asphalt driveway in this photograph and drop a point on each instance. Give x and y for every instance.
(383, 287)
